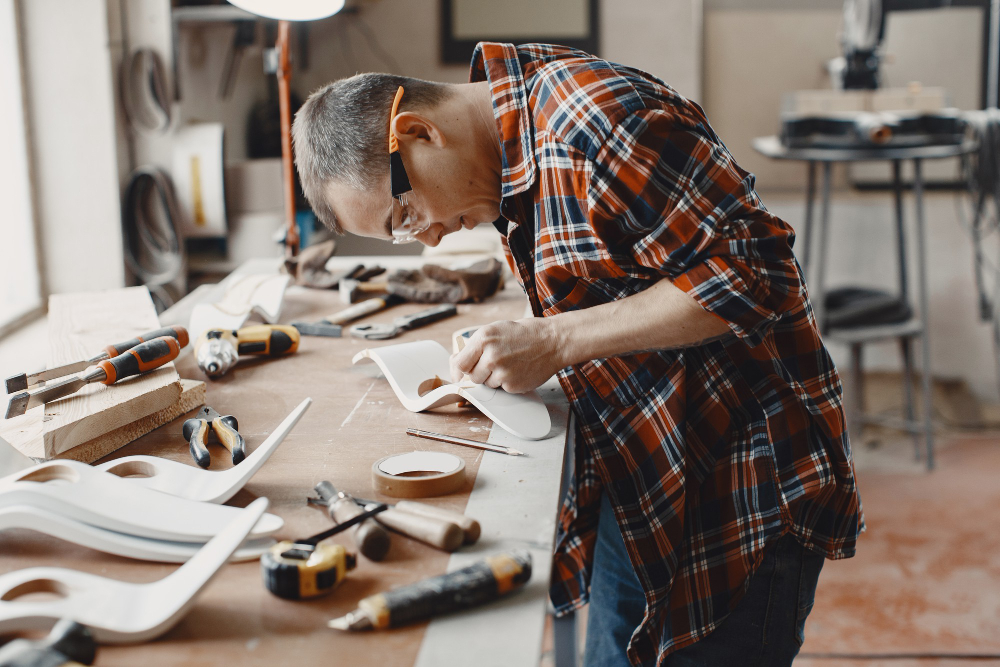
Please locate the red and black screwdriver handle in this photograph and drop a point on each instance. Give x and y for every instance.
(178, 333)
(143, 357)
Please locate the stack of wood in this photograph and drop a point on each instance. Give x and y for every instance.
(99, 419)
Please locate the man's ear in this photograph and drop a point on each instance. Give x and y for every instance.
(409, 126)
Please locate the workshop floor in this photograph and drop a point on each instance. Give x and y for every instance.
(924, 588)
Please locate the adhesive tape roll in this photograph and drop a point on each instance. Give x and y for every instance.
(418, 474)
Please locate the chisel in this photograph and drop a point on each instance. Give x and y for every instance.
(142, 358)
(24, 381)
(470, 586)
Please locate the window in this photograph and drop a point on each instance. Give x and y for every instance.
(20, 290)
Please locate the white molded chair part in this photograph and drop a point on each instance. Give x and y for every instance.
(77, 491)
(108, 541)
(118, 612)
(187, 481)
(413, 368)
(291, 10)
(11, 460)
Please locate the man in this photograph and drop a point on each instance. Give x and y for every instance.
(712, 472)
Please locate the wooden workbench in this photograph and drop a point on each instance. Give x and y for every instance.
(355, 419)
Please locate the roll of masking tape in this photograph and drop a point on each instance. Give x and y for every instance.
(418, 474)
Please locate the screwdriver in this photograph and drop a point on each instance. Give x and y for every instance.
(142, 358)
(479, 583)
(23, 381)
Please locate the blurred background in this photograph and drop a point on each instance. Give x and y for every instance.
(141, 144)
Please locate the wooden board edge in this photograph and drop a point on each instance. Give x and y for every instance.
(192, 396)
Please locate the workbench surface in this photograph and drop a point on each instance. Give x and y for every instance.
(354, 420)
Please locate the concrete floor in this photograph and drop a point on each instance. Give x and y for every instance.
(924, 588)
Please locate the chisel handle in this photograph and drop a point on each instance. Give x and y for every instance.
(471, 529)
(271, 340)
(180, 333)
(142, 358)
(437, 533)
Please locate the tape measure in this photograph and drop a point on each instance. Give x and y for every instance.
(305, 569)
(298, 579)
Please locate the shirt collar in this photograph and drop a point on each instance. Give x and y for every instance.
(498, 64)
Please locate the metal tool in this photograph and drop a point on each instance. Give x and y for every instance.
(470, 586)
(304, 569)
(465, 442)
(401, 324)
(371, 538)
(436, 527)
(226, 428)
(471, 530)
(330, 325)
(142, 358)
(352, 289)
(24, 381)
(68, 644)
(218, 350)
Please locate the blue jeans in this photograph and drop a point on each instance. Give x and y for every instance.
(765, 629)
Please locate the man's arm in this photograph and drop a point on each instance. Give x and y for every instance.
(519, 356)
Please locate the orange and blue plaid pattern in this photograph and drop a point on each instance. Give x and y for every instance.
(611, 182)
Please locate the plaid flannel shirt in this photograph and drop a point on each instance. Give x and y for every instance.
(613, 181)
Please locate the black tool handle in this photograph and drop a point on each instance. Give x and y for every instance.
(470, 586)
(227, 428)
(195, 431)
(140, 359)
(180, 333)
(426, 316)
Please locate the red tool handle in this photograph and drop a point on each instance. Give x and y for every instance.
(141, 358)
(180, 333)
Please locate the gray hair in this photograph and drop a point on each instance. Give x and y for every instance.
(342, 133)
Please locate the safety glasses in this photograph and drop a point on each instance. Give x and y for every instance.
(406, 224)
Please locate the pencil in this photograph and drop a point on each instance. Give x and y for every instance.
(510, 451)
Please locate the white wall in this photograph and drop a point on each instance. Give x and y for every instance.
(71, 114)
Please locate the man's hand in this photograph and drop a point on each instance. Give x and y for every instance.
(515, 356)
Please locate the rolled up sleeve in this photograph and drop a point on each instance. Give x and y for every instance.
(667, 197)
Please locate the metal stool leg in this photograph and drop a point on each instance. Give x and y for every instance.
(855, 420)
(808, 224)
(911, 408)
(918, 196)
(564, 641)
(817, 290)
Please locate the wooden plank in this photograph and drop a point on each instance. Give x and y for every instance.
(79, 326)
(192, 396)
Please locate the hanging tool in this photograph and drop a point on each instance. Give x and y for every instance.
(468, 587)
(470, 528)
(440, 529)
(304, 569)
(371, 538)
(69, 644)
(401, 324)
(23, 381)
(196, 429)
(330, 325)
(218, 350)
(142, 358)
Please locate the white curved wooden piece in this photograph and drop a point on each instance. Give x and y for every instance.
(419, 373)
(118, 612)
(109, 541)
(187, 481)
(77, 491)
